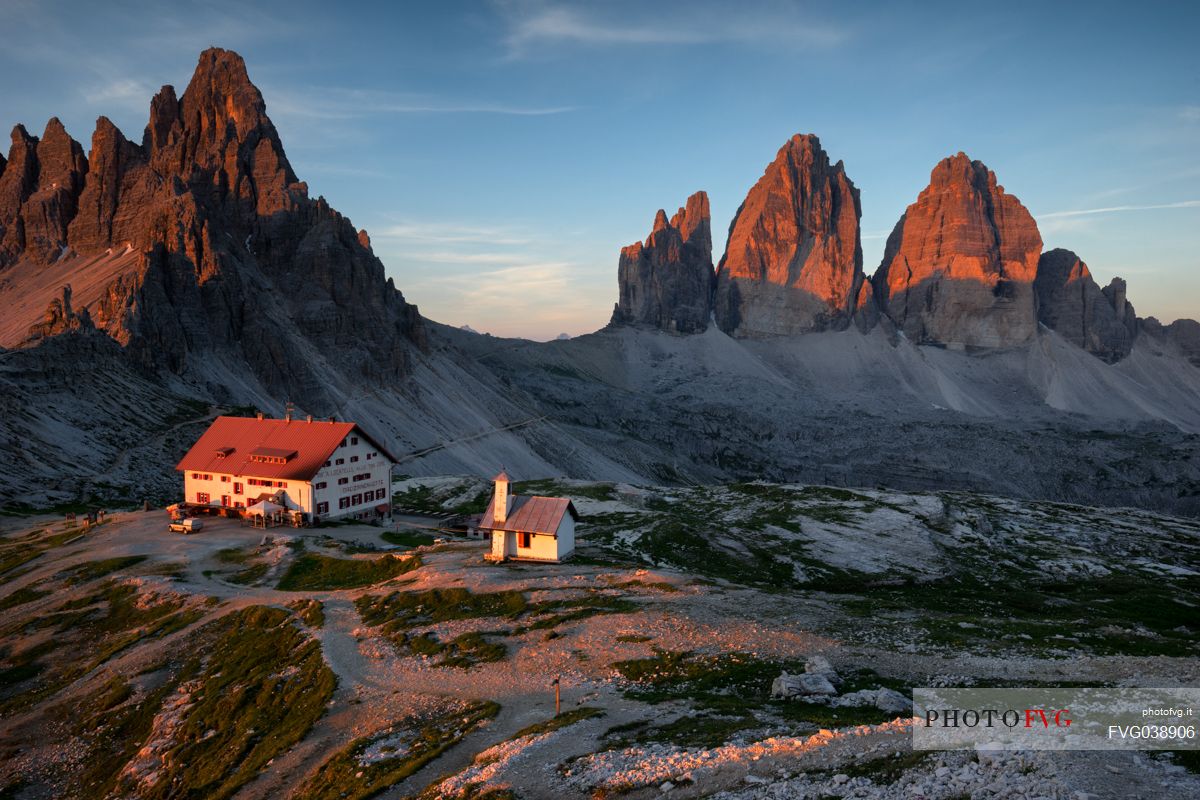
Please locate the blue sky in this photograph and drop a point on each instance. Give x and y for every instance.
(501, 153)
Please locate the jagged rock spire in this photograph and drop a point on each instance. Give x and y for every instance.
(667, 281)
(793, 262)
(959, 266)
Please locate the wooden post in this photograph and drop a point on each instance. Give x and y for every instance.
(557, 697)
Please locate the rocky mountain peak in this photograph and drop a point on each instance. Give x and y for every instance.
(164, 119)
(219, 133)
(1116, 294)
(694, 222)
(220, 95)
(958, 267)
(60, 159)
(1071, 303)
(667, 282)
(39, 192)
(19, 177)
(113, 161)
(793, 262)
(206, 248)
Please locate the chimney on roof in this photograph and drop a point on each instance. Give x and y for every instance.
(502, 501)
(308, 418)
(287, 411)
(258, 414)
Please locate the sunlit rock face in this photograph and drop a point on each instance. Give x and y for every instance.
(1071, 303)
(959, 266)
(198, 245)
(667, 282)
(40, 183)
(793, 262)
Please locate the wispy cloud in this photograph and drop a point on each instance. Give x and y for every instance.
(449, 233)
(532, 26)
(549, 292)
(454, 257)
(340, 103)
(1057, 225)
(125, 92)
(503, 278)
(1084, 212)
(1190, 113)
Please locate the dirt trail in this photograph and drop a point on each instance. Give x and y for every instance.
(340, 648)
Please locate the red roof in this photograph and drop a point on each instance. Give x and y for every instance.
(306, 446)
(530, 514)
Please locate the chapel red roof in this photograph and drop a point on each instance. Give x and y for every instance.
(269, 448)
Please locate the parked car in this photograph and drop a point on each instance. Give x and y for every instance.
(189, 525)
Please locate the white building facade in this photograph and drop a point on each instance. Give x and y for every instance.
(325, 470)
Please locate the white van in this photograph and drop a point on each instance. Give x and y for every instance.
(189, 525)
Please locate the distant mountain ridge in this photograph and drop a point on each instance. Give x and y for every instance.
(197, 229)
(963, 267)
(149, 285)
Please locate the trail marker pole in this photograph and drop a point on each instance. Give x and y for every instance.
(557, 697)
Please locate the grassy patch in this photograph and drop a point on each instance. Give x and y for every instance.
(311, 612)
(250, 575)
(13, 557)
(256, 686)
(169, 569)
(692, 538)
(26, 594)
(400, 611)
(406, 538)
(561, 721)
(92, 570)
(113, 729)
(701, 730)
(93, 628)
(734, 688)
(552, 613)
(553, 488)
(420, 498)
(234, 555)
(1129, 614)
(888, 769)
(314, 572)
(371, 764)
(476, 505)
(465, 650)
(18, 551)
